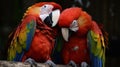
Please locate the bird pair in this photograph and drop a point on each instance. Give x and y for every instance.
(34, 39)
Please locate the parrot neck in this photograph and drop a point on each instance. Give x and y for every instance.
(96, 28)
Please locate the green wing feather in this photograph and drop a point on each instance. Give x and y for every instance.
(97, 47)
(21, 38)
(56, 55)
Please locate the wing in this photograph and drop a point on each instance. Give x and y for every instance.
(56, 55)
(21, 38)
(97, 46)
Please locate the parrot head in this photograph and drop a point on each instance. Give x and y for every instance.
(73, 19)
(48, 12)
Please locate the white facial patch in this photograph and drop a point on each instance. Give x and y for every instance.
(74, 26)
(43, 16)
(46, 9)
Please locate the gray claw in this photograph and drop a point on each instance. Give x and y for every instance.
(72, 63)
(50, 63)
(84, 64)
(32, 62)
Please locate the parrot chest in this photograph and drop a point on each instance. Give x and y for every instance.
(41, 48)
(77, 50)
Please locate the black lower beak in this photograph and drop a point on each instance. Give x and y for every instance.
(48, 20)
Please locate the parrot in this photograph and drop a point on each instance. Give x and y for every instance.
(34, 37)
(84, 41)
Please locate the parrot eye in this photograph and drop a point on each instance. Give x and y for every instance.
(45, 6)
(74, 22)
(74, 26)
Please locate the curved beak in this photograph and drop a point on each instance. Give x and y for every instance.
(73, 27)
(65, 33)
(52, 18)
(55, 17)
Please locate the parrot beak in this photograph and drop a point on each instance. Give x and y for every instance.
(65, 33)
(52, 18)
(73, 27)
(55, 17)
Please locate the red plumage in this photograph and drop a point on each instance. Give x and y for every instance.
(34, 38)
(76, 49)
(42, 43)
(86, 42)
(43, 40)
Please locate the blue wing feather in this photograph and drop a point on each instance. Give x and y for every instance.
(97, 59)
(30, 35)
(22, 38)
(18, 56)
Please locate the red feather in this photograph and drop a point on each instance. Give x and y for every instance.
(76, 48)
(42, 43)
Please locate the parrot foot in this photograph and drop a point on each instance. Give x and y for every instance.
(84, 64)
(32, 62)
(50, 63)
(72, 63)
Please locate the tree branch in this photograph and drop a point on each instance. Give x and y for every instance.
(21, 64)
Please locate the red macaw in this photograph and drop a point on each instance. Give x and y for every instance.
(35, 36)
(85, 45)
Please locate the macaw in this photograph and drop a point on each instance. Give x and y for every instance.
(34, 37)
(84, 43)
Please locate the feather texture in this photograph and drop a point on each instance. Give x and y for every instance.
(96, 46)
(33, 38)
(87, 44)
(22, 39)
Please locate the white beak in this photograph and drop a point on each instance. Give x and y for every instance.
(73, 27)
(65, 33)
(55, 17)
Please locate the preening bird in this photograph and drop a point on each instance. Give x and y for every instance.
(84, 41)
(35, 36)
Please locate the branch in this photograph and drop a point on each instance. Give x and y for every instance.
(21, 64)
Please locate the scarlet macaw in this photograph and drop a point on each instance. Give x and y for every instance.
(35, 37)
(84, 41)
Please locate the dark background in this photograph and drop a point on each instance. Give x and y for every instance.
(106, 12)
